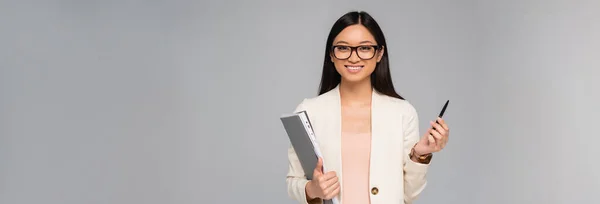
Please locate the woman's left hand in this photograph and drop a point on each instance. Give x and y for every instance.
(435, 139)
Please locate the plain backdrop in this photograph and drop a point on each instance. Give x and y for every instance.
(179, 101)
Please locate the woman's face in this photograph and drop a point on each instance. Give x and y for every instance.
(354, 54)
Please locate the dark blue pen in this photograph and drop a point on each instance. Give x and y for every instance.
(441, 114)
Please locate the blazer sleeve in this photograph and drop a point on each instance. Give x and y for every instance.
(296, 179)
(414, 173)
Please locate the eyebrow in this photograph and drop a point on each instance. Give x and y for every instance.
(362, 42)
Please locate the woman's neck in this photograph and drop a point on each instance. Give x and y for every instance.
(356, 93)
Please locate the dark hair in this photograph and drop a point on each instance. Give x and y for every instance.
(381, 80)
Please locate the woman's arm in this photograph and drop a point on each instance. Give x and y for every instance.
(414, 172)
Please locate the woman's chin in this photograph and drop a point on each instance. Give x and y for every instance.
(354, 78)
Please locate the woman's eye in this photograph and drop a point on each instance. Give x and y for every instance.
(343, 48)
(364, 48)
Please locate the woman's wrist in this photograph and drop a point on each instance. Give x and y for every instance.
(420, 157)
(308, 191)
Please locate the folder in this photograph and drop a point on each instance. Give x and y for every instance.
(303, 140)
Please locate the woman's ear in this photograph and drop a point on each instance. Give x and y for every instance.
(380, 53)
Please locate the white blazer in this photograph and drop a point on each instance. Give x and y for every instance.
(394, 178)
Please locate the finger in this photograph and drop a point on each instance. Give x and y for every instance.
(324, 186)
(432, 133)
(437, 127)
(431, 139)
(333, 193)
(319, 167)
(330, 185)
(437, 135)
(442, 122)
(432, 126)
(430, 129)
(330, 175)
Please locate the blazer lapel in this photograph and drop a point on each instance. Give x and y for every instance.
(335, 133)
(378, 141)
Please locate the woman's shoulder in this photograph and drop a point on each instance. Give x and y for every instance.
(314, 102)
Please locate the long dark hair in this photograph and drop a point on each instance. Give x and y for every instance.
(381, 80)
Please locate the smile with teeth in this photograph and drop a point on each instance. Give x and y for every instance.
(354, 68)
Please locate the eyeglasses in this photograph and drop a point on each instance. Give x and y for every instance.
(364, 52)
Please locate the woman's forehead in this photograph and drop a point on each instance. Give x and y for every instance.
(355, 34)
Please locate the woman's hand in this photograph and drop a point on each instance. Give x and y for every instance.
(324, 186)
(435, 139)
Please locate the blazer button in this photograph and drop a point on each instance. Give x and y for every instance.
(374, 190)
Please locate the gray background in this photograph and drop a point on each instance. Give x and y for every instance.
(178, 101)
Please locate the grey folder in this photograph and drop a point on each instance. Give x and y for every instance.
(299, 130)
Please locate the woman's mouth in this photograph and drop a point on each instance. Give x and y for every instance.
(354, 68)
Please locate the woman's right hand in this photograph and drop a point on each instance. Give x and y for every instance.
(323, 185)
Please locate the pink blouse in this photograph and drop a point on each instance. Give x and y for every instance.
(356, 151)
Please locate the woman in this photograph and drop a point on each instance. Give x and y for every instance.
(368, 134)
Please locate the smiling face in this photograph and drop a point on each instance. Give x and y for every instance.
(355, 53)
